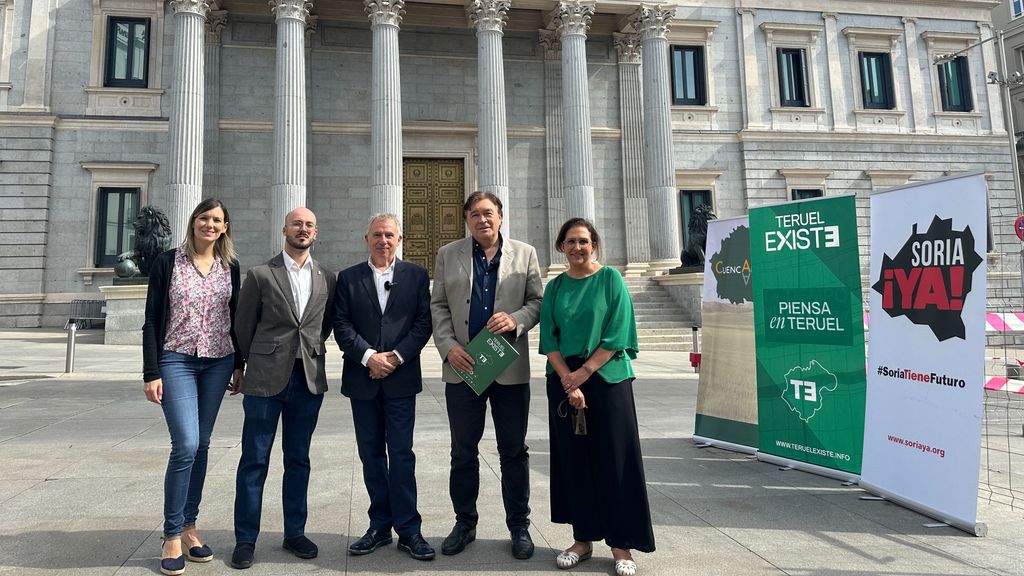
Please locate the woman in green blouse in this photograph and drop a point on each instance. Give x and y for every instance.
(588, 333)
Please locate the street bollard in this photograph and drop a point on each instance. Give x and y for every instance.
(69, 358)
(695, 355)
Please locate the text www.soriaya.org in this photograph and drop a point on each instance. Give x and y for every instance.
(926, 377)
(915, 444)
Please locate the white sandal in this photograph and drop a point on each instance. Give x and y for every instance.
(625, 568)
(569, 559)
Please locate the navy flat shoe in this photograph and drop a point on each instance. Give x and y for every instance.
(199, 553)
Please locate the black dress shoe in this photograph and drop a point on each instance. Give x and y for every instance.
(370, 541)
(300, 546)
(417, 547)
(243, 555)
(459, 538)
(522, 544)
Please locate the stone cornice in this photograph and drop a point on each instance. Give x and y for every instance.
(652, 20)
(552, 44)
(290, 9)
(385, 12)
(215, 23)
(627, 46)
(573, 17)
(197, 7)
(488, 15)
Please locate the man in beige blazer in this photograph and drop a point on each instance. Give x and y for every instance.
(489, 281)
(284, 315)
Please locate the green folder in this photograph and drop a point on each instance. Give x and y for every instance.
(492, 354)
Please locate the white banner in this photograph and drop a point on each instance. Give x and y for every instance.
(926, 368)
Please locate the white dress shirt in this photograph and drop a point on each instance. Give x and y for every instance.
(381, 279)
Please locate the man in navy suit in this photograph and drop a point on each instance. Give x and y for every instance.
(381, 323)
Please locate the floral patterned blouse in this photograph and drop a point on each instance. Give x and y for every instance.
(200, 320)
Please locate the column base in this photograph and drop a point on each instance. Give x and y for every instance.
(659, 267)
(635, 269)
(554, 270)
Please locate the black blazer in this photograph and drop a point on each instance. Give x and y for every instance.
(404, 326)
(158, 311)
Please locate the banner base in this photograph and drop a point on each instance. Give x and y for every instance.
(974, 528)
(811, 468)
(724, 445)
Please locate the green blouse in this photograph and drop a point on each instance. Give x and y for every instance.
(579, 316)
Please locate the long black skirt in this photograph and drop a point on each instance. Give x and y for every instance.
(597, 479)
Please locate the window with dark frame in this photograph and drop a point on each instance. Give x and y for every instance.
(127, 59)
(805, 193)
(688, 202)
(689, 86)
(792, 77)
(955, 85)
(876, 80)
(1018, 8)
(115, 232)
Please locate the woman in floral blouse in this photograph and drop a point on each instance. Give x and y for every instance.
(189, 361)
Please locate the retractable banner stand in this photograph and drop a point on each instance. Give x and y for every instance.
(727, 390)
(809, 329)
(926, 368)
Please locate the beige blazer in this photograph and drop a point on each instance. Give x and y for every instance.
(270, 333)
(519, 293)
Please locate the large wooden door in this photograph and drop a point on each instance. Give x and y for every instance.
(432, 210)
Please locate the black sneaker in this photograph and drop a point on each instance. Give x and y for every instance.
(459, 538)
(416, 547)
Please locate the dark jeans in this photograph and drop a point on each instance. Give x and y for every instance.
(510, 407)
(193, 389)
(298, 409)
(384, 430)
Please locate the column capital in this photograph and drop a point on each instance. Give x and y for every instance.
(387, 12)
(215, 23)
(984, 26)
(572, 17)
(487, 15)
(291, 9)
(552, 44)
(627, 46)
(197, 7)
(746, 12)
(829, 16)
(909, 20)
(652, 20)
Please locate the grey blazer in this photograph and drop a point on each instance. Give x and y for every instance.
(519, 293)
(270, 333)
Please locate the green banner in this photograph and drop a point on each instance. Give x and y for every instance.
(809, 332)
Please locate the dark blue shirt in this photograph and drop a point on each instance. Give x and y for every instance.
(485, 282)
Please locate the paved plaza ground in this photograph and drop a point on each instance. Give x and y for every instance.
(82, 458)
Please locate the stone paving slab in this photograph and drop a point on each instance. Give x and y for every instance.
(82, 458)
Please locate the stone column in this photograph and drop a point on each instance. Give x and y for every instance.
(835, 72)
(6, 47)
(917, 91)
(652, 21)
(215, 22)
(573, 19)
(488, 17)
(38, 59)
(185, 186)
(386, 107)
(288, 190)
(552, 45)
(638, 252)
(751, 85)
(993, 91)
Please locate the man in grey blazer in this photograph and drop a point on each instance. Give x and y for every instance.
(489, 281)
(284, 314)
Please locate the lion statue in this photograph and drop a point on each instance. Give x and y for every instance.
(693, 253)
(152, 236)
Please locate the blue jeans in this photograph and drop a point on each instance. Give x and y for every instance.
(297, 409)
(193, 389)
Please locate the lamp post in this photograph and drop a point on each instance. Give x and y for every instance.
(1005, 82)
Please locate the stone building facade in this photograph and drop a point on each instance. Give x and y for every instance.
(628, 113)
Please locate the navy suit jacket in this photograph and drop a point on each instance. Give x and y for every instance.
(403, 326)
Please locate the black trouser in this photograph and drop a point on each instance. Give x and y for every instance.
(510, 407)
